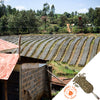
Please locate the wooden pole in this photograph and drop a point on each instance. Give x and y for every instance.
(56, 77)
(19, 45)
(5, 86)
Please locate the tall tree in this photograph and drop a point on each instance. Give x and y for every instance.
(68, 15)
(52, 12)
(91, 15)
(76, 13)
(46, 9)
(62, 20)
(3, 10)
(97, 17)
(9, 9)
(72, 14)
(3, 25)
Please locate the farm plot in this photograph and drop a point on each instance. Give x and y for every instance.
(73, 50)
(41, 47)
(85, 52)
(95, 47)
(70, 49)
(32, 49)
(49, 45)
(77, 52)
(55, 48)
(10, 38)
(24, 42)
(62, 49)
(26, 49)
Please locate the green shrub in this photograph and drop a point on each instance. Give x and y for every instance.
(76, 30)
(50, 30)
(56, 28)
(96, 29)
(63, 30)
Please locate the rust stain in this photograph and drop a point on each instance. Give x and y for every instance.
(7, 64)
(4, 45)
(56, 82)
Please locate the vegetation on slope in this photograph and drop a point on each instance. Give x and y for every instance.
(13, 21)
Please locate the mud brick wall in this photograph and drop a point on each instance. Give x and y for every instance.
(34, 83)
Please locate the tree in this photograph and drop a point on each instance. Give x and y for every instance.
(62, 21)
(2, 10)
(97, 17)
(68, 15)
(9, 10)
(46, 9)
(72, 14)
(13, 24)
(76, 13)
(3, 25)
(91, 15)
(52, 12)
(23, 22)
(39, 12)
(33, 23)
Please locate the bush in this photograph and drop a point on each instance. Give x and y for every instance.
(90, 29)
(56, 28)
(86, 30)
(50, 30)
(96, 29)
(76, 30)
(63, 30)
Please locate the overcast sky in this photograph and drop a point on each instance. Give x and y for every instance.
(61, 6)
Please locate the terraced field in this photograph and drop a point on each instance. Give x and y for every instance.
(75, 50)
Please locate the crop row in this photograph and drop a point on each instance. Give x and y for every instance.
(70, 49)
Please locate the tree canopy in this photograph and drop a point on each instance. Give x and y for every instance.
(13, 21)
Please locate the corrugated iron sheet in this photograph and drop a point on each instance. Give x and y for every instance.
(56, 82)
(7, 64)
(4, 45)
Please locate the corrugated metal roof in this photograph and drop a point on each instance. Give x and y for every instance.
(7, 64)
(4, 45)
(56, 82)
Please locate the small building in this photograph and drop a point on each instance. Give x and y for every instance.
(58, 85)
(24, 78)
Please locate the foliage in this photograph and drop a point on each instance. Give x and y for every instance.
(94, 16)
(56, 28)
(46, 9)
(60, 69)
(76, 30)
(55, 93)
(3, 25)
(62, 21)
(13, 21)
(18, 22)
(63, 30)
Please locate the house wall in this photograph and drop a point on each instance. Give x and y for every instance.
(35, 83)
(13, 86)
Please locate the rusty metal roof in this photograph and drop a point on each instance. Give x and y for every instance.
(4, 45)
(7, 64)
(56, 82)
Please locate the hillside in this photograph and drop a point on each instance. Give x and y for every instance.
(75, 50)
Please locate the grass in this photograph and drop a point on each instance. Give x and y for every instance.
(55, 93)
(62, 70)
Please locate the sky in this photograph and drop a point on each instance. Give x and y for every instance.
(61, 6)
